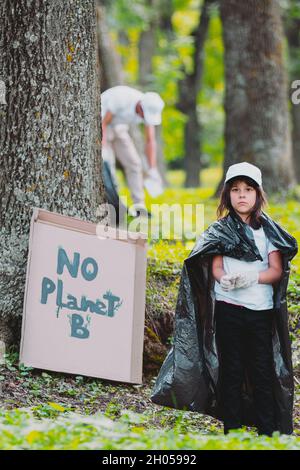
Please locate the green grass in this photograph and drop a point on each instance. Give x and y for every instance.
(21, 429)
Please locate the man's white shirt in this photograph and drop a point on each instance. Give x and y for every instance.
(121, 101)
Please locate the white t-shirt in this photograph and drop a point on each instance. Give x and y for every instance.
(258, 296)
(121, 102)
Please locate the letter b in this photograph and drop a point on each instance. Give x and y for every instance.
(77, 328)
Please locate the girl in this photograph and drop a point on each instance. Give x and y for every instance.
(244, 306)
(231, 353)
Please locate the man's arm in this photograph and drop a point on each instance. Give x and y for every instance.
(105, 121)
(150, 147)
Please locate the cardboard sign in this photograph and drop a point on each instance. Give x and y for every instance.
(84, 304)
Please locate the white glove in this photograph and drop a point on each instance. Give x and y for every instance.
(239, 280)
(153, 172)
(246, 279)
(153, 182)
(227, 282)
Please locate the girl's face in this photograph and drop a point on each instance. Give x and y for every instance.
(243, 198)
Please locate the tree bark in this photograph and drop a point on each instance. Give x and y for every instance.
(296, 139)
(292, 27)
(111, 65)
(166, 10)
(147, 44)
(188, 93)
(50, 129)
(257, 124)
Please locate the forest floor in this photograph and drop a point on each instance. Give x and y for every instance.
(46, 392)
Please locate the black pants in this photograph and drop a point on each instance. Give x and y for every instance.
(244, 339)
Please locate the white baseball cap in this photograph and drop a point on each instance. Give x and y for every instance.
(152, 105)
(244, 169)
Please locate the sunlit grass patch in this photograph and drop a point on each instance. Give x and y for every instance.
(20, 429)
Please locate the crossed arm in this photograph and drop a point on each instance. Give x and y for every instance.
(269, 276)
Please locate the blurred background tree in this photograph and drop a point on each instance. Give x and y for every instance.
(256, 100)
(176, 47)
(292, 29)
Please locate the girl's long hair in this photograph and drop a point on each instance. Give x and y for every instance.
(225, 206)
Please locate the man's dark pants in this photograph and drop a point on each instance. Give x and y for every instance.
(244, 339)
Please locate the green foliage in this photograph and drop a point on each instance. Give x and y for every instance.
(136, 14)
(20, 429)
(291, 15)
(291, 8)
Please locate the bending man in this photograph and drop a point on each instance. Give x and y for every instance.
(122, 106)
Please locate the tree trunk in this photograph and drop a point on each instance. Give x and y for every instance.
(296, 139)
(50, 129)
(146, 46)
(166, 10)
(109, 59)
(188, 93)
(192, 160)
(292, 27)
(256, 128)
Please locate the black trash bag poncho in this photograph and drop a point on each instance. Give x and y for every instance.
(188, 378)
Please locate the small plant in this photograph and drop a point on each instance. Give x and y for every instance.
(11, 360)
(24, 370)
(113, 409)
(49, 410)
